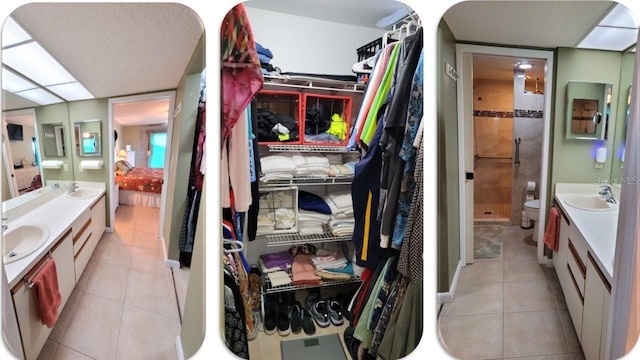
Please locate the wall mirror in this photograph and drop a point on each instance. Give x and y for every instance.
(53, 140)
(588, 107)
(87, 135)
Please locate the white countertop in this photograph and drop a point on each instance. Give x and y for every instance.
(599, 228)
(57, 214)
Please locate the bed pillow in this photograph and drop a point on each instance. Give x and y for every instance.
(123, 167)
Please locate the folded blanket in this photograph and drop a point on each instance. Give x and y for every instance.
(311, 229)
(281, 259)
(334, 159)
(326, 275)
(277, 163)
(313, 215)
(302, 271)
(312, 202)
(342, 199)
(266, 270)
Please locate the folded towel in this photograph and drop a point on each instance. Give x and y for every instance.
(551, 234)
(302, 271)
(47, 293)
(310, 215)
(280, 259)
(279, 278)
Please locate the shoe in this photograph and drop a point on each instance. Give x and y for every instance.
(335, 312)
(307, 322)
(283, 321)
(270, 317)
(256, 326)
(318, 310)
(296, 317)
(345, 300)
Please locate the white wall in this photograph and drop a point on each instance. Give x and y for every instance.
(305, 45)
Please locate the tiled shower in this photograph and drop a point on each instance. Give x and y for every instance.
(506, 112)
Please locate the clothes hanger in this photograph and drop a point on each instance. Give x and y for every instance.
(359, 67)
(239, 246)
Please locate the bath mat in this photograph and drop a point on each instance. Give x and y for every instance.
(487, 241)
(313, 348)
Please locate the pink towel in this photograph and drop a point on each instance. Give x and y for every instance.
(47, 294)
(551, 235)
(302, 271)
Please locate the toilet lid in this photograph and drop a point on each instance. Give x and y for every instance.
(534, 204)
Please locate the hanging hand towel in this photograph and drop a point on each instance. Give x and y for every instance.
(551, 235)
(46, 293)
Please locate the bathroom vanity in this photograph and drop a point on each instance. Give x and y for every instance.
(71, 224)
(584, 261)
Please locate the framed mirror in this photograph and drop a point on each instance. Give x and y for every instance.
(588, 108)
(53, 140)
(87, 135)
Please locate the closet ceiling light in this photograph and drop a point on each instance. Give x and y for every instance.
(525, 66)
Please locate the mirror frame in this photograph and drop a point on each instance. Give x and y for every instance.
(581, 91)
(79, 134)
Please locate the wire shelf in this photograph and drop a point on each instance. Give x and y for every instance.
(290, 287)
(309, 148)
(308, 180)
(297, 239)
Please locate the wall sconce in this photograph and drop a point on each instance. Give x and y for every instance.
(601, 157)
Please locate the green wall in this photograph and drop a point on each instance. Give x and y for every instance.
(448, 205)
(573, 160)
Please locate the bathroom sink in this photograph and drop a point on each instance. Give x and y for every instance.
(83, 193)
(22, 240)
(590, 203)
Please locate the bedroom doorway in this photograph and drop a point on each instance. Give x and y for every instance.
(132, 120)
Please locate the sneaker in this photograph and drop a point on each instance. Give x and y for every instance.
(270, 314)
(296, 318)
(283, 321)
(335, 312)
(318, 310)
(307, 323)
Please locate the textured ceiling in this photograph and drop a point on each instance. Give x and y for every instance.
(142, 112)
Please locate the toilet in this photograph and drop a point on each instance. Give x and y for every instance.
(532, 210)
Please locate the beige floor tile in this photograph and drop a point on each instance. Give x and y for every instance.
(569, 331)
(518, 249)
(558, 295)
(94, 326)
(64, 353)
(144, 239)
(473, 336)
(151, 227)
(533, 333)
(88, 271)
(65, 316)
(148, 259)
(125, 224)
(528, 296)
(148, 216)
(147, 335)
(271, 346)
(113, 254)
(123, 237)
(151, 291)
(48, 351)
(483, 271)
(573, 356)
(181, 281)
(523, 270)
(255, 348)
(109, 281)
(476, 298)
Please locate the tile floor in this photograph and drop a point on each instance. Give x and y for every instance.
(124, 306)
(510, 307)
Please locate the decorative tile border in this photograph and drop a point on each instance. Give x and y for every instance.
(494, 114)
(534, 114)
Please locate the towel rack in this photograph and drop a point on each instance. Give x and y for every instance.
(29, 282)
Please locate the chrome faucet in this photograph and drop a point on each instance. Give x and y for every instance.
(608, 194)
(72, 186)
(55, 185)
(4, 226)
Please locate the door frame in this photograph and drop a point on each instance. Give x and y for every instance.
(6, 149)
(464, 61)
(171, 95)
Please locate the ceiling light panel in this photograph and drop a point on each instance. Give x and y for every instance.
(608, 38)
(13, 34)
(13, 83)
(32, 61)
(40, 96)
(620, 16)
(71, 91)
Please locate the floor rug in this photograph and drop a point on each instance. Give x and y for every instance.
(487, 241)
(313, 348)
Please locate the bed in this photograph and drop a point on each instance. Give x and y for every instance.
(140, 186)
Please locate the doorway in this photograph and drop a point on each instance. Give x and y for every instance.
(21, 153)
(487, 165)
(149, 113)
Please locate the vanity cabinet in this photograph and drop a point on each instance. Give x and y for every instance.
(98, 221)
(596, 312)
(33, 333)
(81, 229)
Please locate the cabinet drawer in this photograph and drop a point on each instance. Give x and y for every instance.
(577, 268)
(575, 302)
(79, 223)
(579, 243)
(82, 257)
(81, 238)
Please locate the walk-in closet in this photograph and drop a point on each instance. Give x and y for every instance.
(321, 180)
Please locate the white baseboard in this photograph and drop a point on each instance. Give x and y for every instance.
(179, 349)
(172, 263)
(109, 229)
(446, 297)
